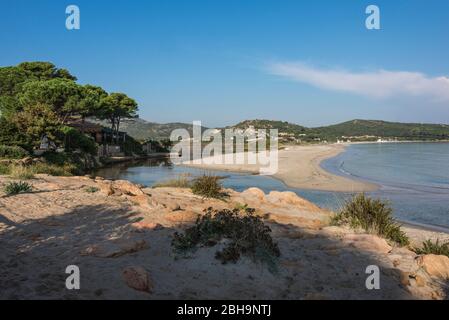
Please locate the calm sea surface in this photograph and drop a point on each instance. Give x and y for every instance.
(414, 177)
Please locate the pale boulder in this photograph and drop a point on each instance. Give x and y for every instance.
(143, 226)
(290, 198)
(115, 249)
(127, 187)
(137, 278)
(181, 217)
(105, 187)
(253, 193)
(142, 200)
(435, 265)
(334, 231)
(368, 242)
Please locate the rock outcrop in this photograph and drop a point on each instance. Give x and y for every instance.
(115, 248)
(137, 278)
(435, 265)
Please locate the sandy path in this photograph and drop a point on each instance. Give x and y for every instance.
(299, 167)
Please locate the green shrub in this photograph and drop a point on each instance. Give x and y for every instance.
(241, 207)
(54, 170)
(246, 234)
(28, 172)
(208, 186)
(182, 181)
(11, 135)
(372, 215)
(13, 188)
(21, 172)
(12, 152)
(58, 158)
(5, 169)
(68, 163)
(91, 189)
(429, 247)
(76, 140)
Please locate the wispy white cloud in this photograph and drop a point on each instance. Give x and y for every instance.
(377, 84)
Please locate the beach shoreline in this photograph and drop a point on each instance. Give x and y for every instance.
(300, 168)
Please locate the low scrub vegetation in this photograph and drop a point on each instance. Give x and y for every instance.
(21, 172)
(208, 186)
(242, 232)
(28, 172)
(54, 170)
(12, 152)
(374, 216)
(13, 188)
(429, 247)
(4, 169)
(91, 189)
(182, 181)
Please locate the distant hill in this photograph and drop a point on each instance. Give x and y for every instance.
(384, 129)
(355, 130)
(141, 129)
(282, 126)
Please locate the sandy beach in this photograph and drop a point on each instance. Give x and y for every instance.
(299, 167)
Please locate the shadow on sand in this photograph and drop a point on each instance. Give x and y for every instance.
(34, 256)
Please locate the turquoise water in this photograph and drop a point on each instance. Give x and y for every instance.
(414, 177)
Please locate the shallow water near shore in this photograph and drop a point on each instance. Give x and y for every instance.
(151, 171)
(414, 177)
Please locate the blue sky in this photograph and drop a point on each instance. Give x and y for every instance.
(223, 61)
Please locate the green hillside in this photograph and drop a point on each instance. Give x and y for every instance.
(383, 129)
(355, 130)
(282, 126)
(143, 130)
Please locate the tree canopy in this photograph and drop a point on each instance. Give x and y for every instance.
(117, 106)
(37, 98)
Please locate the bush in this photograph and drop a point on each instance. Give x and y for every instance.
(76, 140)
(246, 234)
(91, 190)
(372, 215)
(57, 158)
(12, 152)
(21, 172)
(11, 135)
(429, 247)
(182, 181)
(5, 169)
(54, 170)
(71, 163)
(208, 186)
(13, 188)
(28, 172)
